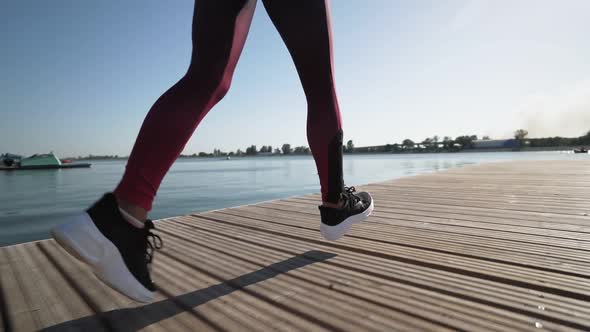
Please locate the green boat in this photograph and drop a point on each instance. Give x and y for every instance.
(10, 161)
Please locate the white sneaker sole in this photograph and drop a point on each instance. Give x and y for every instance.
(333, 233)
(81, 239)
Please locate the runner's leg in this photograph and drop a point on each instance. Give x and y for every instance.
(219, 32)
(305, 28)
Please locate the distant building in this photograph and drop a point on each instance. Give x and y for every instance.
(495, 144)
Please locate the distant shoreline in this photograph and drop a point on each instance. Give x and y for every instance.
(536, 149)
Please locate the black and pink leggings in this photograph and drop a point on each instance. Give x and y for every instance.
(220, 28)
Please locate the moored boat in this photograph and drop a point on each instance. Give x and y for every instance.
(10, 161)
(581, 150)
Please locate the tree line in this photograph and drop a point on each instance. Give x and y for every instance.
(465, 142)
(92, 156)
(252, 150)
(429, 144)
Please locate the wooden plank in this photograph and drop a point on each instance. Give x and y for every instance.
(311, 208)
(509, 204)
(479, 191)
(321, 279)
(474, 213)
(574, 234)
(20, 314)
(564, 259)
(177, 280)
(425, 223)
(5, 323)
(563, 224)
(300, 295)
(223, 300)
(43, 300)
(419, 226)
(414, 273)
(95, 294)
(550, 281)
(492, 197)
(553, 211)
(62, 301)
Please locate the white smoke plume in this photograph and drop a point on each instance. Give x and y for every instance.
(566, 113)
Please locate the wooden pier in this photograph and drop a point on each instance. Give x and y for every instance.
(495, 247)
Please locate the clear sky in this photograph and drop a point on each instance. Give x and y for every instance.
(77, 77)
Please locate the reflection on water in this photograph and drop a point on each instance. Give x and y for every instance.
(31, 202)
(226, 170)
(408, 167)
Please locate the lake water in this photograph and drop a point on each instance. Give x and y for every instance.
(31, 202)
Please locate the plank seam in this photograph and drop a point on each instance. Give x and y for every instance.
(302, 279)
(442, 231)
(522, 284)
(103, 319)
(410, 283)
(6, 321)
(573, 274)
(236, 286)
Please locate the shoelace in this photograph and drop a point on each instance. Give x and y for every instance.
(351, 198)
(156, 242)
(350, 190)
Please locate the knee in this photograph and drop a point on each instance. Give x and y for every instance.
(213, 83)
(222, 88)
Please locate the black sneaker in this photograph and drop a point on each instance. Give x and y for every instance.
(336, 222)
(118, 252)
